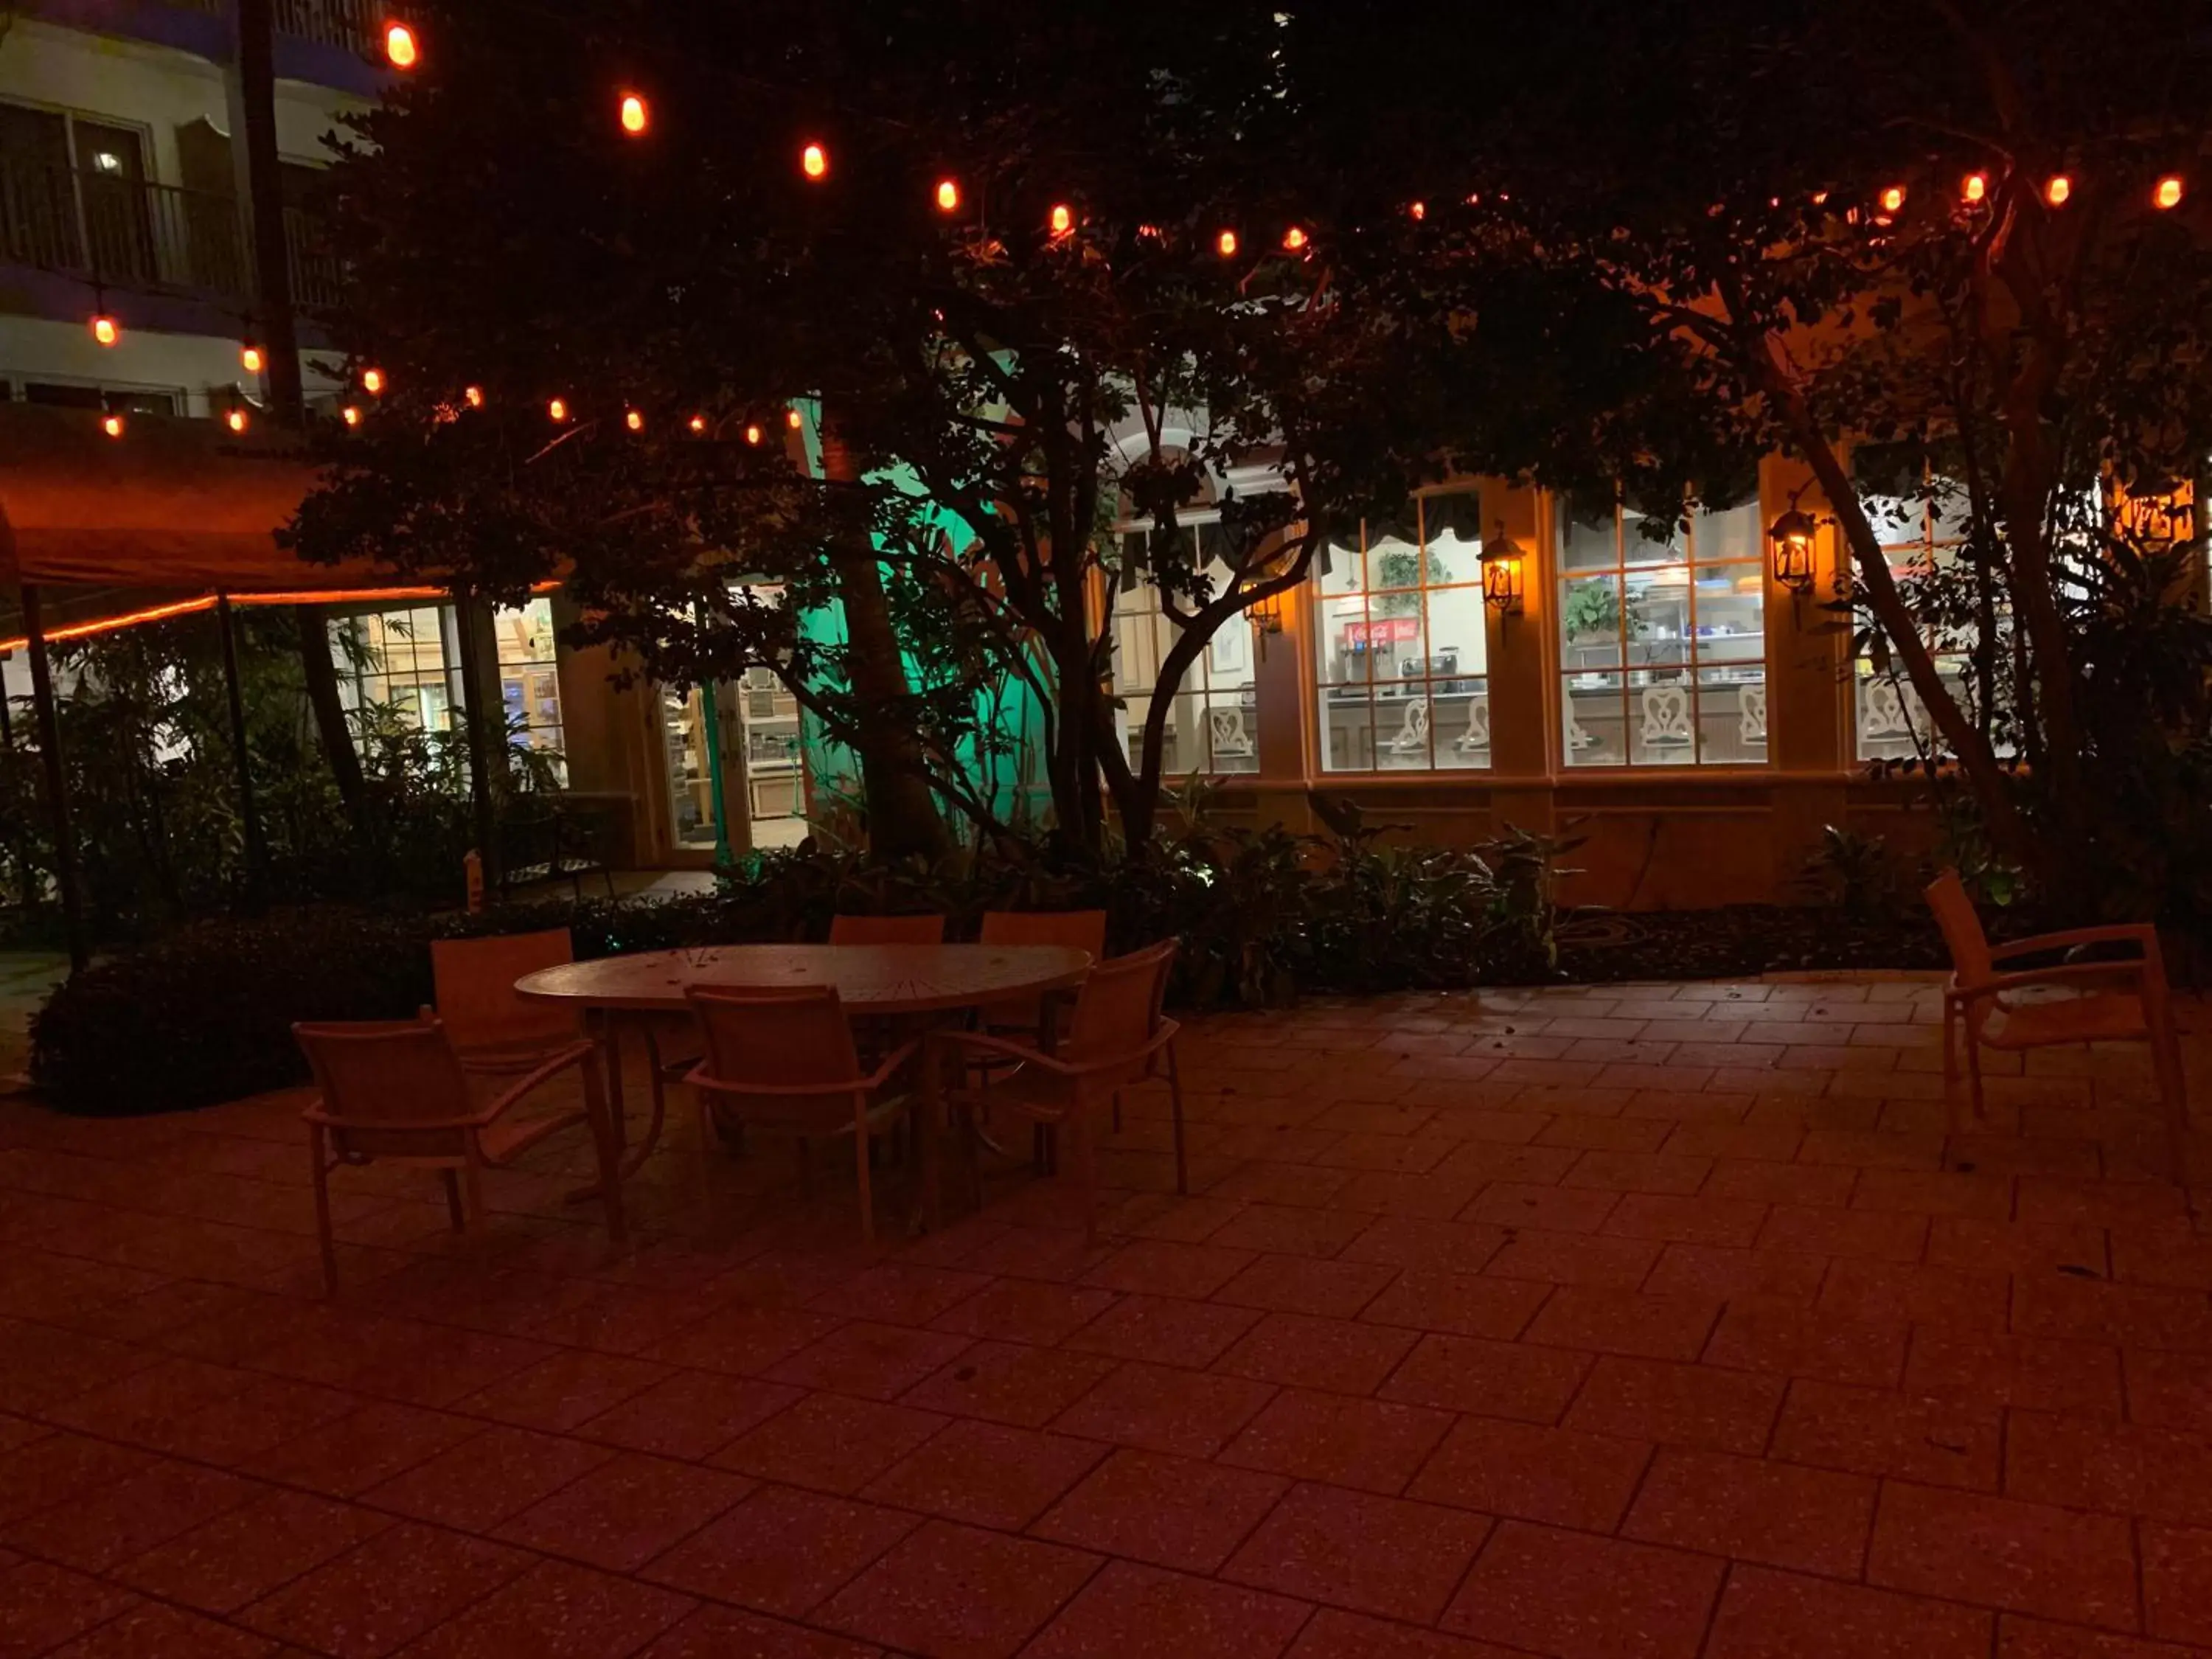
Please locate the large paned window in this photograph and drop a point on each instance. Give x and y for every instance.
(1400, 647)
(1213, 721)
(400, 670)
(530, 679)
(1663, 637)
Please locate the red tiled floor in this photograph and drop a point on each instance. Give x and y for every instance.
(1697, 1406)
(2177, 1570)
(1563, 1476)
(1712, 1270)
(2033, 1373)
(1011, 1383)
(1573, 1258)
(556, 1611)
(2124, 1469)
(900, 1293)
(1158, 1408)
(1346, 1442)
(571, 1388)
(830, 1442)
(1556, 1209)
(1299, 1351)
(222, 1564)
(2173, 1390)
(2027, 1558)
(59, 1465)
(1165, 1328)
(1467, 1304)
(1025, 1310)
(1764, 1613)
(1131, 1610)
(481, 1482)
(2033, 1638)
(1495, 1379)
(1303, 1285)
(692, 1414)
(1291, 1230)
(390, 1589)
(1813, 1520)
(1949, 1297)
(1153, 1267)
(746, 1340)
(153, 1630)
(1936, 1441)
(1790, 1340)
(988, 1474)
(1581, 1597)
(1357, 1550)
(346, 1457)
(97, 1529)
(1169, 1511)
(1333, 1635)
(626, 1511)
(1626, 1323)
(724, 1633)
(43, 1606)
(959, 1592)
(781, 1550)
(878, 1362)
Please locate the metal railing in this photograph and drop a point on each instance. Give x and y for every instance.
(130, 233)
(350, 24)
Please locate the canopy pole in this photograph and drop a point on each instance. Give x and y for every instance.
(257, 847)
(50, 752)
(476, 709)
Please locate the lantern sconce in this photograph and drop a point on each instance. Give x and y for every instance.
(1265, 615)
(1505, 571)
(1789, 540)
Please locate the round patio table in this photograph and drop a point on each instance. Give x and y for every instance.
(879, 979)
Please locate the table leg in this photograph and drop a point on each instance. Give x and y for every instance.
(606, 1099)
(930, 1130)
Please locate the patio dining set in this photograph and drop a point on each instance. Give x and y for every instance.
(852, 1039)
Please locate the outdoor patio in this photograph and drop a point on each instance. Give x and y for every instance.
(1627, 1321)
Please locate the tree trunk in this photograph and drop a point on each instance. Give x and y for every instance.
(322, 679)
(902, 812)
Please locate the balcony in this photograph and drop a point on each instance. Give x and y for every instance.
(156, 239)
(348, 24)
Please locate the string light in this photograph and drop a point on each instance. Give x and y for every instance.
(350, 415)
(2168, 193)
(814, 162)
(1061, 219)
(2056, 189)
(1418, 209)
(250, 358)
(112, 425)
(472, 395)
(106, 329)
(1150, 233)
(557, 409)
(372, 382)
(948, 196)
(1293, 240)
(752, 435)
(1892, 198)
(1977, 186)
(633, 117)
(399, 48)
(698, 422)
(634, 419)
(791, 419)
(235, 420)
(1227, 243)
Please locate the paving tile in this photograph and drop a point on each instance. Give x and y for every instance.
(725, 1633)
(2032, 1639)
(2095, 1310)
(1564, 1476)
(877, 1362)
(1131, 1609)
(1170, 1511)
(1151, 1267)
(1158, 1408)
(748, 1340)
(1025, 1310)
(1466, 1304)
(1996, 1553)
(2122, 1468)
(2001, 1246)
(1765, 1612)
(556, 1611)
(346, 1457)
(1301, 1352)
(1289, 1229)
(781, 1550)
(830, 1442)
(1813, 1520)
(269, 1412)
(1555, 1209)
(1638, 1172)
(1357, 1550)
(2177, 1576)
(1362, 1443)
(1572, 1259)
(1492, 1379)
(1682, 1220)
(1881, 1235)
(2173, 1390)
(626, 1511)
(1789, 1339)
(238, 1556)
(987, 1475)
(1626, 1323)
(1865, 1288)
(1938, 1441)
(1935, 1193)
(42, 1606)
(1011, 1383)
(393, 1588)
(1303, 1285)
(1703, 1407)
(1582, 1597)
(1333, 1635)
(153, 1630)
(2029, 1372)
(692, 1414)
(1165, 1328)
(959, 1592)
(555, 1394)
(481, 1482)
(1768, 1180)
(1416, 1240)
(900, 1293)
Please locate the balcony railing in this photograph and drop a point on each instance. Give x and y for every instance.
(129, 234)
(350, 24)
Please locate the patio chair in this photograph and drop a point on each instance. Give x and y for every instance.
(887, 930)
(1077, 930)
(492, 1027)
(784, 1062)
(396, 1090)
(2120, 1000)
(1117, 1036)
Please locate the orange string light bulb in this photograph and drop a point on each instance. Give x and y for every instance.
(1418, 209)
(634, 119)
(1294, 240)
(1892, 198)
(557, 409)
(791, 419)
(2058, 188)
(752, 434)
(372, 382)
(106, 329)
(350, 415)
(112, 425)
(1975, 187)
(2168, 192)
(472, 395)
(1227, 243)
(634, 419)
(698, 422)
(814, 162)
(250, 358)
(948, 196)
(400, 50)
(235, 420)
(1061, 219)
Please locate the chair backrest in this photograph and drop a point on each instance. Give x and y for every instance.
(1751, 720)
(765, 1039)
(1666, 714)
(383, 1079)
(1885, 715)
(1118, 1008)
(1962, 930)
(1225, 726)
(1477, 735)
(1081, 930)
(1414, 733)
(887, 930)
(477, 999)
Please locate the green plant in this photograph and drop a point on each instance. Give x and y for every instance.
(1853, 872)
(1593, 610)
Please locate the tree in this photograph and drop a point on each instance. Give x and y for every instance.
(993, 389)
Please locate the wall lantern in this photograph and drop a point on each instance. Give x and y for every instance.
(1504, 573)
(1265, 615)
(1791, 540)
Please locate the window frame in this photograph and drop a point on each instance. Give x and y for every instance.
(1197, 683)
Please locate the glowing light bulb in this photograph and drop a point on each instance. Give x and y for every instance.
(2168, 192)
(2056, 189)
(814, 161)
(112, 425)
(948, 196)
(791, 419)
(106, 329)
(633, 117)
(1892, 198)
(698, 422)
(350, 415)
(250, 359)
(1418, 209)
(472, 395)
(1061, 219)
(557, 409)
(752, 435)
(235, 420)
(1977, 186)
(399, 48)
(1293, 240)
(372, 382)
(634, 419)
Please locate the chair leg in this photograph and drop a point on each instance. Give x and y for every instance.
(1175, 1106)
(1974, 1076)
(454, 1213)
(1950, 1064)
(472, 1193)
(322, 1169)
(860, 1146)
(1086, 1170)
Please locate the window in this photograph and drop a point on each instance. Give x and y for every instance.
(530, 682)
(1213, 723)
(1663, 637)
(400, 672)
(1402, 644)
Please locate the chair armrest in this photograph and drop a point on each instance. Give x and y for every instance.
(315, 1114)
(2059, 974)
(892, 1063)
(559, 1060)
(1004, 1047)
(699, 1077)
(2141, 934)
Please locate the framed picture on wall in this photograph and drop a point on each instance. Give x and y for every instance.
(1230, 651)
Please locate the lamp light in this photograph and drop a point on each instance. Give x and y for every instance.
(106, 329)
(791, 419)
(472, 395)
(634, 118)
(2056, 189)
(250, 358)
(1789, 542)
(634, 419)
(350, 415)
(948, 196)
(814, 161)
(372, 382)
(112, 425)
(753, 434)
(1975, 187)
(1504, 573)
(557, 409)
(1294, 240)
(2167, 194)
(1892, 198)
(1061, 219)
(698, 422)
(235, 420)
(400, 50)
(1226, 242)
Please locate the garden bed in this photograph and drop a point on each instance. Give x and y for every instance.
(1743, 941)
